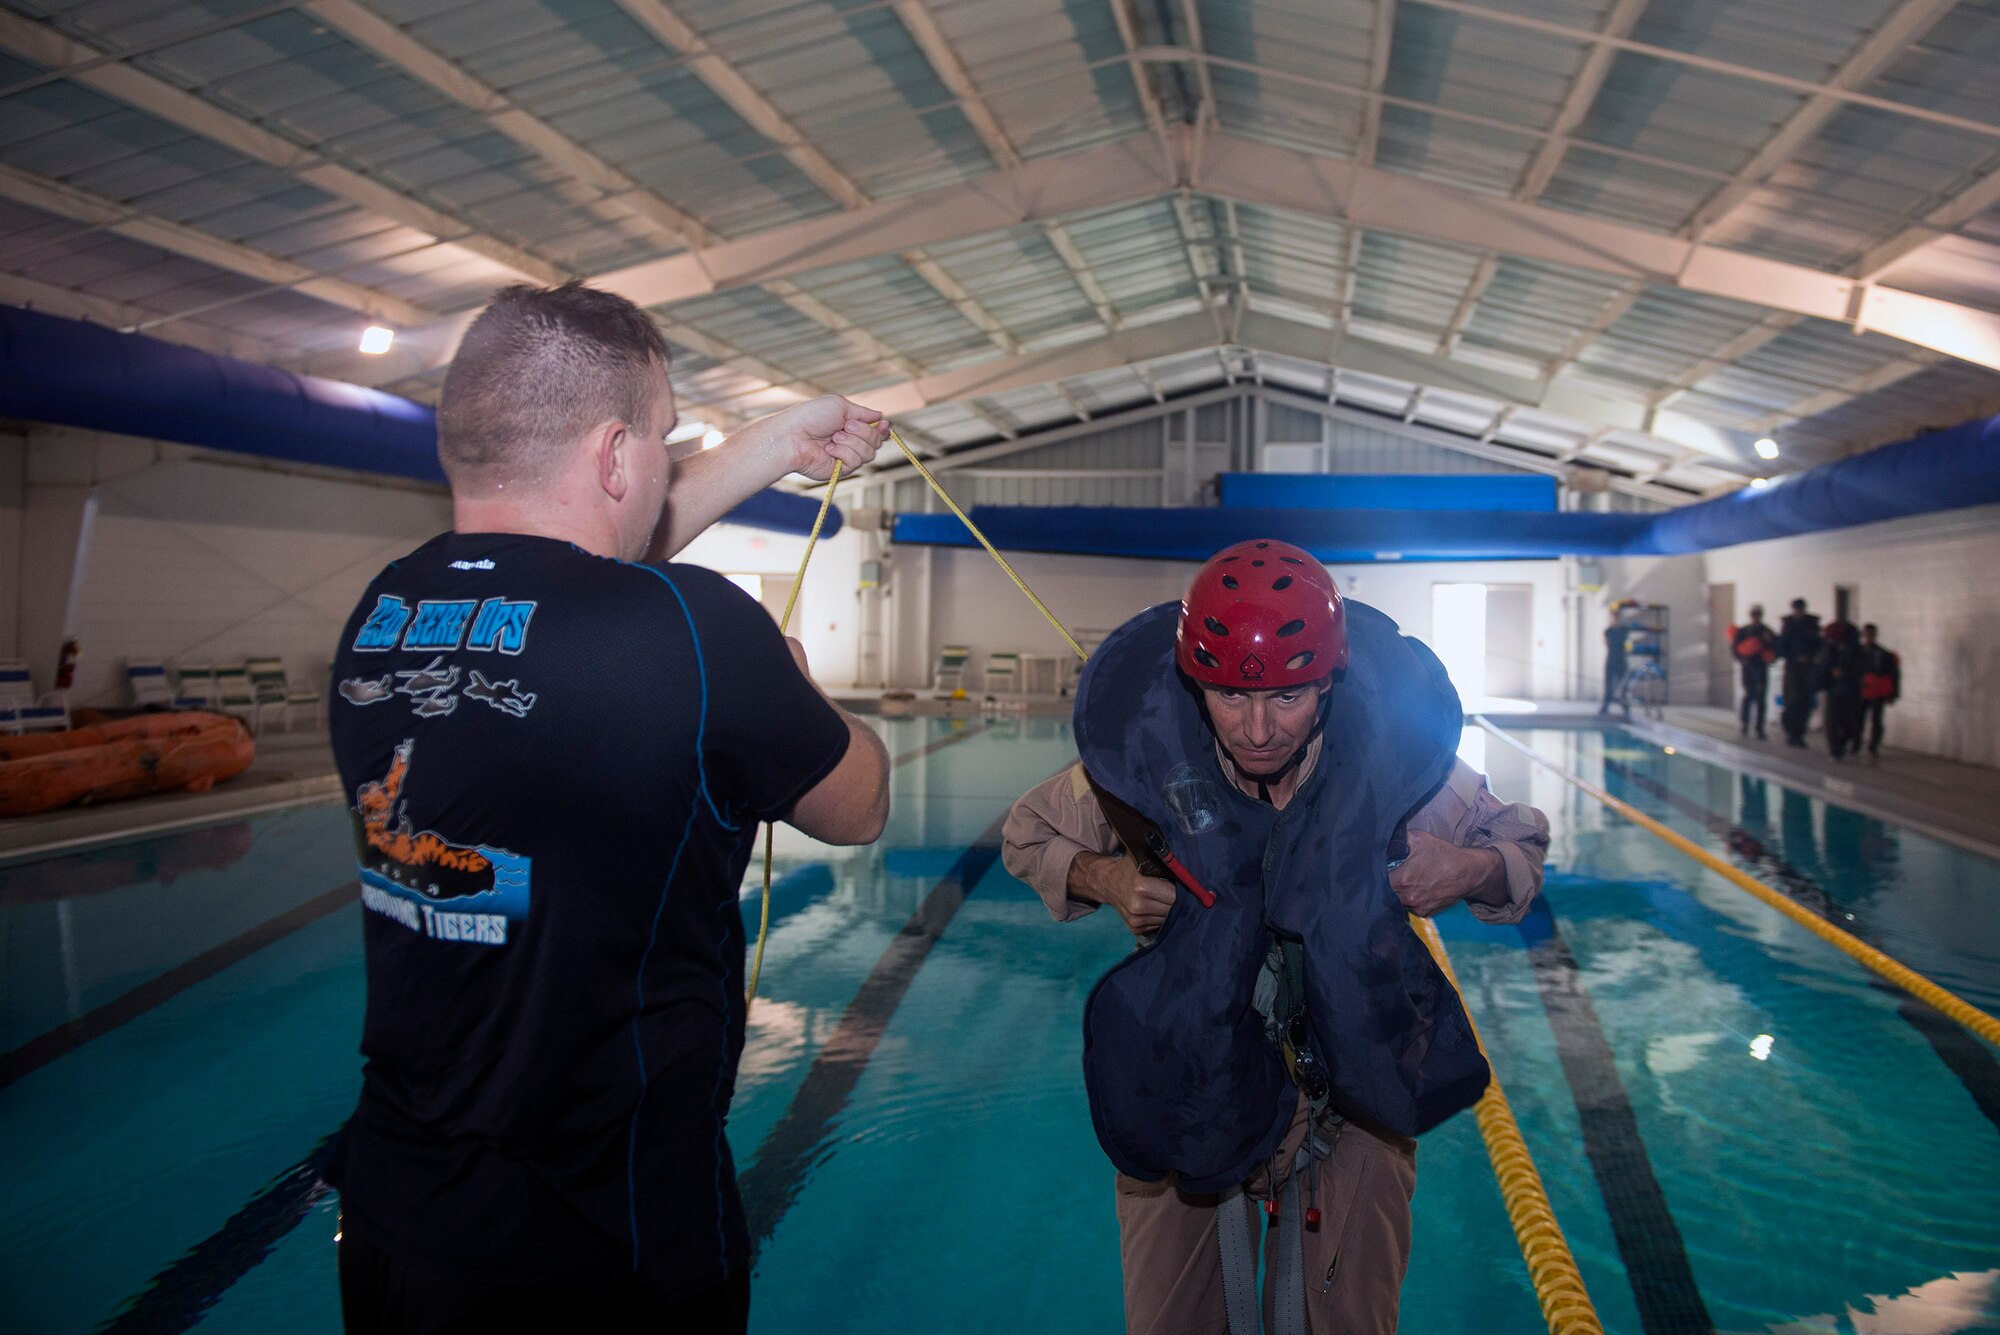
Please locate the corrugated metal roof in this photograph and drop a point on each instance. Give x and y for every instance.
(1469, 96)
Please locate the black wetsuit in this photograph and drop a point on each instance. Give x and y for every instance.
(557, 763)
(1614, 665)
(1798, 645)
(1838, 673)
(1756, 669)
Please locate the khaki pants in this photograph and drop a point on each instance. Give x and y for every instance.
(1354, 1260)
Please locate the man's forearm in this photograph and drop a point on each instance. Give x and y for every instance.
(1086, 882)
(707, 485)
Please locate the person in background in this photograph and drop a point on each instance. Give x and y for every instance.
(558, 753)
(1837, 672)
(1799, 646)
(1614, 661)
(1881, 685)
(1755, 645)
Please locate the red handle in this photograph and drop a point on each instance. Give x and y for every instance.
(1187, 878)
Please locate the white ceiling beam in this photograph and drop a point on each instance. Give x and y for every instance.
(84, 206)
(1454, 328)
(18, 290)
(1381, 36)
(1881, 377)
(1363, 93)
(1283, 178)
(1614, 311)
(1142, 83)
(1584, 86)
(1979, 195)
(1206, 114)
(1043, 436)
(1328, 188)
(1725, 356)
(765, 117)
(1695, 60)
(1903, 25)
(372, 32)
(156, 97)
(743, 97)
(923, 28)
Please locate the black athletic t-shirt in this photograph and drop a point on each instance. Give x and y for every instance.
(556, 764)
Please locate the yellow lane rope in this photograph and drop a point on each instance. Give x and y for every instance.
(1967, 1014)
(784, 625)
(1019, 583)
(1566, 1304)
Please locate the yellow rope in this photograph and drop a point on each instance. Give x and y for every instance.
(784, 624)
(1019, 583)
(1978, 1021)
(1566, 1304)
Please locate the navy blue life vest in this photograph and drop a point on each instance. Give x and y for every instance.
(1181, 1076)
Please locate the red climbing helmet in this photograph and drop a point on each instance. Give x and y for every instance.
(1260, 616)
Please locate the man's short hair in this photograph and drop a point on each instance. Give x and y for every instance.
(1756, 609)
(1869, 627)
(540, 367)
(1798, 604)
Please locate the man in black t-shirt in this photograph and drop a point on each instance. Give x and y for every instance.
(557, 758)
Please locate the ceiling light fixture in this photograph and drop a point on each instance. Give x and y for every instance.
(1766, 448)
(375, 339)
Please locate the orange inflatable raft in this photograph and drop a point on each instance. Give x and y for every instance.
(151, 753)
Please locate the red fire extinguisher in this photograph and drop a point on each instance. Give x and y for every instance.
(66, 665)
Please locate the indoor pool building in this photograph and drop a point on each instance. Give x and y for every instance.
(1392, 710)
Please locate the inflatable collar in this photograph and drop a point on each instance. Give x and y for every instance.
(1180, 1075)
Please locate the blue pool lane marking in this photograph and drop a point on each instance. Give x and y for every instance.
(1963, 1054)
(1649, 1240)
(67, 1037)
(182, 1294)
(797, 1141)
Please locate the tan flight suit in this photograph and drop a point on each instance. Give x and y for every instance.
(1355, 1258)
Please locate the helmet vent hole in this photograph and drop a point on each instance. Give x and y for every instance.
(1283, 582)
(1262, 545)
(1205, 658)
(1256, 563)
(1229, 582)
(1216, 627)
(1290, 628)
(1297, 661)
(1291, 560)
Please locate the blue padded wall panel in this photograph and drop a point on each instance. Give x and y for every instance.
(1519, 492)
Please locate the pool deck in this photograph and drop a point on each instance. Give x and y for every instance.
(1956, 802)
(1947, 799)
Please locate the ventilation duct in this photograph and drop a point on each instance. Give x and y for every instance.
(71, 373)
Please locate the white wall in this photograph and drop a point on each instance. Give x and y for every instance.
(194, 559)
(827, 618)
(973, 603)
(1932, 586)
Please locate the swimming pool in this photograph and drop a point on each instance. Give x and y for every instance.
(1740, 1131)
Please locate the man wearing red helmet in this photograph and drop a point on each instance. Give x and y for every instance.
(1268, 787)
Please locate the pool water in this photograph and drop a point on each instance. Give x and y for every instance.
(1740, 1130)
